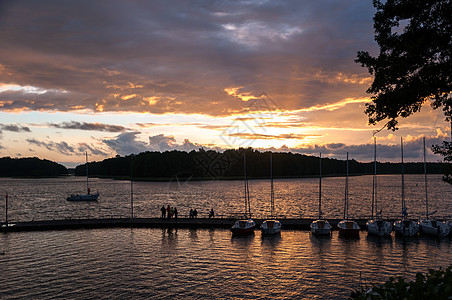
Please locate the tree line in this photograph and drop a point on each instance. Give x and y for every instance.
(30, 167)
(201, 164)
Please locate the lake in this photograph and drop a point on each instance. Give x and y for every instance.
(142, 263)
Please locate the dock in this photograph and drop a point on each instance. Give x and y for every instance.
(190, 223)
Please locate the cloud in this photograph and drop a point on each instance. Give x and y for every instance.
(413, 150)
(179, 57)
(89, 126)
(61, 147)
(126, 143)
(260, 136)
(14, 128)
(65, 148)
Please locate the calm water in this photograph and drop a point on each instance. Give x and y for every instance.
(41, 199)
(167, 263)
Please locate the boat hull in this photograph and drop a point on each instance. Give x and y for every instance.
(406, 227)
(434, 228)
(348, 228)
(320, 227)
(270, 227)
(379, 227)
(243, 227)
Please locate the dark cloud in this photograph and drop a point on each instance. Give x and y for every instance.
(178, 56)
(61, 147)
(413, 150)
(66, 149)
(89, 126)
(126, 143)
(14, 128)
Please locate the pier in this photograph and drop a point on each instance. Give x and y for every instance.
(190, 223)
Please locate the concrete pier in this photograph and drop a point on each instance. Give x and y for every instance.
(300, 224)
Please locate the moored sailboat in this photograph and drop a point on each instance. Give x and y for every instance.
(88, 196)
(245, 226)
(271, 226)
(377, 226)
(427, 226)
(320, 226)
(347, 228)
(405, 226)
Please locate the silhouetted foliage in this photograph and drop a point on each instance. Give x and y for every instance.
(437, 284)
(414, 63)
(229, 164)
(30, 167)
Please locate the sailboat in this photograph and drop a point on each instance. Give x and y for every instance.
(271, 226)
(427, 226)
(405, 226)
(348, 228)
(320, 226)
(245, 226)
(377, 226)
(88, 196)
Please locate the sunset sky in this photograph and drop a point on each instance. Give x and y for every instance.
(121, 77)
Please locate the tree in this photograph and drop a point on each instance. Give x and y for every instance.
(414, 64)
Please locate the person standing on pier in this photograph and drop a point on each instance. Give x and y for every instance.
(191, 213)
(163, 209)
(211, 214)
(168, 212)
(195, 213)
(175, 213)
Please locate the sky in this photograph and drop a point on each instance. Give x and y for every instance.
(120, 77)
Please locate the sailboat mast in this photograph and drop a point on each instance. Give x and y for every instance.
(346, 193)
(320, 186)
(374, 180)
(247, 191)
(403, 181)
(272, 195)
(87, 187)
(425, 180)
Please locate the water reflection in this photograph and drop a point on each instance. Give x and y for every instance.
(379, 241)
(270, 241)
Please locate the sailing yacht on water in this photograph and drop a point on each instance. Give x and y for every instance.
(427, 226)
(348, 228)
(320, 226)
(271, 226)
(377, 226)
(245, 226)
(88, 196)
(405, 226)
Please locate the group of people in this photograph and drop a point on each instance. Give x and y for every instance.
(193, 213)
(169, 212)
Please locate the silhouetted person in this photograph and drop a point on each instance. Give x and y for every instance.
(175, 213)
(195, 213)
(163, 209)
(168, 212)
(211, 214)
(191, 213)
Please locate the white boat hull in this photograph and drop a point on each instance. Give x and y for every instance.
(243, 227)
(348, 228)
(406, 227)
(269, 227)
(321, 227)
(379, 227)
(433, 227)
